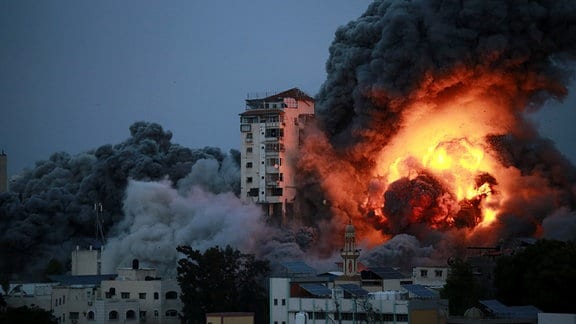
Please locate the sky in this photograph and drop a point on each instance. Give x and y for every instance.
(75, 74)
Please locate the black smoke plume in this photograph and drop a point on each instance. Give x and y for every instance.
(378, 61)
(49, 209)
(155, 195)
(517, 55)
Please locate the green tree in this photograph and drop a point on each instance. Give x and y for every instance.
(543, 275)
(29, 315)
(221, 280)
(461, 289)
(54, 267)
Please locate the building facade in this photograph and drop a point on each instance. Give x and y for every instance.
(378, 295)
(271, 132)
(86, 262)
(132, 295)
(3, 172)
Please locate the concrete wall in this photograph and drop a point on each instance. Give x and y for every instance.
(553, 318)
(230, 318)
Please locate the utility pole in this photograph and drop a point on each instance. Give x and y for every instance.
(99, 221)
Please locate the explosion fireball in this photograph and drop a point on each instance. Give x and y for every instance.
(422, 121)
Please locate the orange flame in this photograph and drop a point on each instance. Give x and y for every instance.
(442, 138)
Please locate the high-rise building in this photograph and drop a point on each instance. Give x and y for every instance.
(271, 132)
(3, 172)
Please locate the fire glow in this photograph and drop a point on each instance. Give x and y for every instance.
(423, 125)
(438, 170)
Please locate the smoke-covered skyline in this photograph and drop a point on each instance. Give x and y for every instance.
(395, 63)
(77, 74)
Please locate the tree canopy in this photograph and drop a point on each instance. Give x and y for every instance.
(25, 314)
(543, 275)
(221, 280)
(461, 288)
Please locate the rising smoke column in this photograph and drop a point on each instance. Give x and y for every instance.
(155, 194)
(478, 65)
(202, 212)
(49, 209)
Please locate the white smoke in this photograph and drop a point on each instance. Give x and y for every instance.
(157, 218)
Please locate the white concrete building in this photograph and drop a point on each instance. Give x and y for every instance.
(140, 294)
(433, 276)
(271, 129)
(86, 262)
(298, 295)
(133, 295)
(29, 294)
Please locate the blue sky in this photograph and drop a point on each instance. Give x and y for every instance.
(75, 74)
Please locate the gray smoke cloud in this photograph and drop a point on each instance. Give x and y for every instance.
(157, 218)
(155, 195)
(201, 211)
(49, 209)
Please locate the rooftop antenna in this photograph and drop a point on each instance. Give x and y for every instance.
(99, 221)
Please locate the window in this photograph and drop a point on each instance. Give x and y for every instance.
(130, 314)
(275, 301)
(438, 273)
(249, 136)
(155, 312)
(63, 299)
(251, 119)
(402, 317)
(274, 132)
(276, 192)
(253, 192)
(245, 128)
(274, 177)
(283, 302)
(90, 315)
(274, 147)
(143, 315)
(142, 295)
(171, 313)
(275, 162)
(171, 295)
(387, 317)
(319, 315)
(248, 165)
(156, 295)
(248, 179)
(111, 292)
(424, 273)
(113, 315)
(74, 315)
(248, 150)
(124, 295)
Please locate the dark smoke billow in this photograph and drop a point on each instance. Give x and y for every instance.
(378, 61)
(155, 194)
(515, 55)
(49, 208)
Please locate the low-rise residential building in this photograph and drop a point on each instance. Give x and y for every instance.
(379, 294)
(133, 294)
(431, 276)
